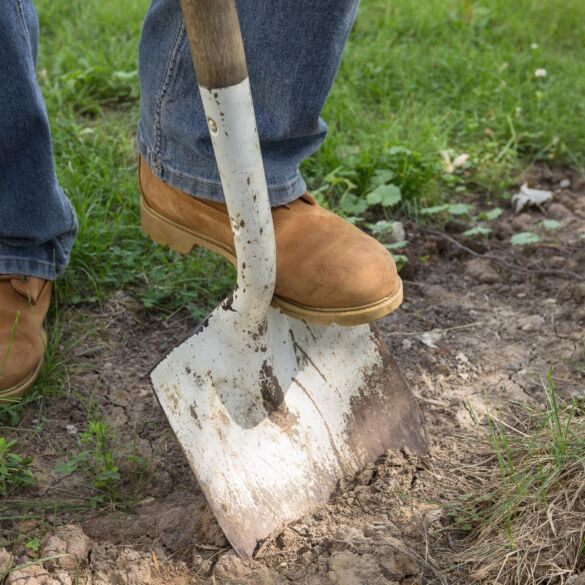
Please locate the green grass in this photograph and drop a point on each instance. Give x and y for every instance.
(460, 75)
(417, 78)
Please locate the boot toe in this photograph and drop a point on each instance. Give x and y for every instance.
(334, 267)
(17, 365)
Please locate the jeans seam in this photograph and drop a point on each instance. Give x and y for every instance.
(167, 79)
(24, 23)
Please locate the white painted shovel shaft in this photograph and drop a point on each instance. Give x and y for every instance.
(232, 125)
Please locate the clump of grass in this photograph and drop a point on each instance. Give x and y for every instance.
(117, 473)
(523, 516)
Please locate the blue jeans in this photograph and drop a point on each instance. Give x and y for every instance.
(293, 49)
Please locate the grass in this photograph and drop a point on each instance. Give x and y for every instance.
(417, 79)
(460, 75)
(521, 511)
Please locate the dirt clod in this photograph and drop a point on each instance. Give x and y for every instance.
(5, 561)
(397, 565)
(482, 271)
(70, 546)
(559, 212)
(347, 568)
(125, 567)
(37, 575)
(531, 323)
(230, 565)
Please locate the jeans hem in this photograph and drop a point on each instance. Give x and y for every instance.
(278, 193)
(30, 267)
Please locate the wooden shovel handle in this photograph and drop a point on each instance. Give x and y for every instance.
(216, 44)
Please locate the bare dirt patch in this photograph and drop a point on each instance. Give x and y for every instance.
(483, 323)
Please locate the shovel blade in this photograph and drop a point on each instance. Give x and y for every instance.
(271, 419)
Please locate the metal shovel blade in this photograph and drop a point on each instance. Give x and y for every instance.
(270, 419)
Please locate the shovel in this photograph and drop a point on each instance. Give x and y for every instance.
(270, 411)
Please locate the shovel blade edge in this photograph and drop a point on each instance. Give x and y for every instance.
(270, 421)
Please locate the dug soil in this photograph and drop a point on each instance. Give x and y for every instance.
(482, 325)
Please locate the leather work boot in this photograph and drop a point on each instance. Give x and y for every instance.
(327, 270)
(24, 301)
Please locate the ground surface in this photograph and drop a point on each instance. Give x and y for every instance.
(113, 501)
(496, 330)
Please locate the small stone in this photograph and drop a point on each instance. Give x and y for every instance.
(559, 263)
(482, 271)
(407, 344)
(531, 322)
(565, 184)
(398, 232)
(575, 291)
(522, 222)
(558, 211)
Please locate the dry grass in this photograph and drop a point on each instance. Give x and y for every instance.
(517, 513)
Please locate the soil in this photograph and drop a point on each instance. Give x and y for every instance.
(482, 325)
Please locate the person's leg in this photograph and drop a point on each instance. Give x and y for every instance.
(37, 222)
(327, 270)
(293, 52)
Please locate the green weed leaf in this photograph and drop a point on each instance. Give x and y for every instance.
(435, 209)
(396, 245)
(491, 215)
(524, 239)
(551, 224)
(72, 464)
(400, 260)
(381, 227)
(382, 176)
(352, 204)
(478, 230)
(384, 195)
(14, 468)
(459, 209)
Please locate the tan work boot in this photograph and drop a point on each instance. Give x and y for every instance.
(327, 270)
(24, 301)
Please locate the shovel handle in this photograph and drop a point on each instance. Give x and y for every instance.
(220, 64)
(216, 44)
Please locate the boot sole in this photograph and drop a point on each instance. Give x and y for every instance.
(182, 240)
(14, 394)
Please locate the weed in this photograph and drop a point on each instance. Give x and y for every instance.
(105, 464)
(34, 545)
(14, 468)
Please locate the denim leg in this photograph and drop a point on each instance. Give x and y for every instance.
(37, 222)
(293, 49)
